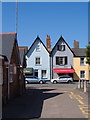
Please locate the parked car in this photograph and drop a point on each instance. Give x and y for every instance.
(31, 79)
(64, 78)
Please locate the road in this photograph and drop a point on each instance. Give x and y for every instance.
(49, 101)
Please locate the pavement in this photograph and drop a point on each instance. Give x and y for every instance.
(49, 101)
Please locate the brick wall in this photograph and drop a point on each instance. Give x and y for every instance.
(15, 85)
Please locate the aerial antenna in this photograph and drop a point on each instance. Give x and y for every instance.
(16, 16)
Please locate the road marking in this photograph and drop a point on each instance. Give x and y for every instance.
(70, 96)
(77, 97)
(85, 109)
(81, 102)
(80, 97)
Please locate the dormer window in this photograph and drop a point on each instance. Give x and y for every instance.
(61, 47)
(38, 48)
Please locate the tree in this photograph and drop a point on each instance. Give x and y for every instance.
(88, 54)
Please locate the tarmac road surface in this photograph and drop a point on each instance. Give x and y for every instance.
(49, 101)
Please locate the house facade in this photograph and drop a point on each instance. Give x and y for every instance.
(38, 59)
(11, 68)
(82, 70)
(62, 59)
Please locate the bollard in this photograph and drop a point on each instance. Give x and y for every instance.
(79, 84)
(82, 83)
(85, 86)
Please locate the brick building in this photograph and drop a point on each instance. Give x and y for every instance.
(11, 68)
(22, 51)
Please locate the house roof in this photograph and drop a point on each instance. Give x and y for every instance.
(22, 51)
(79, 52)
(61, 38)
(7, 33)
(7, 41)
(34, 43)
(2, 56)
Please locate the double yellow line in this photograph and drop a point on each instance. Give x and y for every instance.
(84, 108)
(77, 97)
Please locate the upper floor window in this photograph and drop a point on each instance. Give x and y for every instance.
(82, 61)
(82, 74)
(61, 60)
(38, 48)
(37, 60)
(61, 47)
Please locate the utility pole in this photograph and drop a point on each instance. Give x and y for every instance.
(16, 16)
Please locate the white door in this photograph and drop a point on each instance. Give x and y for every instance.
(44, 74)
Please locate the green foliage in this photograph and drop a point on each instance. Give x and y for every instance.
(88, 54)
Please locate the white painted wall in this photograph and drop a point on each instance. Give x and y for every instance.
(43, 54)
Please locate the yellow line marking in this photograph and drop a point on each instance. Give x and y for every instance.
(84, 106)
(70, 96)
(84, 109)
(87, 110)
(81, 102)
(80, 97)
(85, 113)
(77, 97)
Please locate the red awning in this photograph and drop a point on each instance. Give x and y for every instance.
(64, 70)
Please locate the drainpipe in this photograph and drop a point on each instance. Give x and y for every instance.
(7, 66)
(50, 68)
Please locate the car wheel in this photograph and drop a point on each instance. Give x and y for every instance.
(69, 81)
(41, 82)
(54, 81)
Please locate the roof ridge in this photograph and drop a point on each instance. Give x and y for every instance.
(7, 33)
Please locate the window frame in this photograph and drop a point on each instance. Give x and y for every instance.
(64, 60)
(82, 63)
(39, 61)
(83, 74)
(61, 46)
(38, 48)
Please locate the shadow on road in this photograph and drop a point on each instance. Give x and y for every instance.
(29, 105)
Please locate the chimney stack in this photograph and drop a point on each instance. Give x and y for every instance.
(48, 43)
(76, 44)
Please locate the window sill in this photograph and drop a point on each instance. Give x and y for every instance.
(38, 65)
(83, 78)
(10, 81)
(38, 51)
(62, 65)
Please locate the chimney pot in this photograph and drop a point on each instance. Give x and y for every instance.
(48, 42)
(76, 44)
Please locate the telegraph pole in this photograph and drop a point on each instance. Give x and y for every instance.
(16, 16)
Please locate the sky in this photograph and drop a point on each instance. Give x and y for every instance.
(69, 19)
